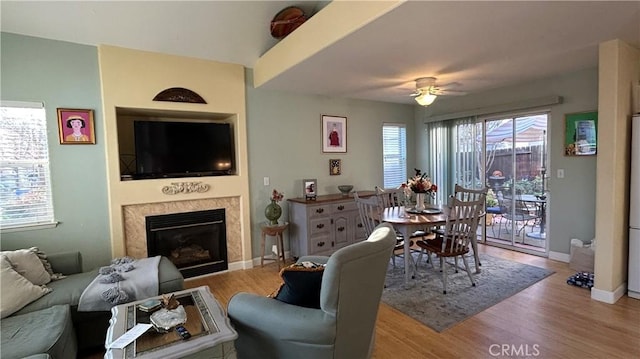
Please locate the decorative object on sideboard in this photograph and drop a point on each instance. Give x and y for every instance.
(335, 167)
(185, 187)
(345, 189)
(273, 210)
(179, 94)
(309, 189)
(76, 127)
(334, 134)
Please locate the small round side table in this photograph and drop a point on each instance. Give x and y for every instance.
(274, 231)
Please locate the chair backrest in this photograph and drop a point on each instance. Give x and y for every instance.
(352, 286)
(369, 210)
(390, 197)
(462, 223)
(468, 194)
(517, 207)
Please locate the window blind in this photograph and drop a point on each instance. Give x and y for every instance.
(394, 153)
(25, 181)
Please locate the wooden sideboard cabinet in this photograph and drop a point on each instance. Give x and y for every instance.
(325, 225)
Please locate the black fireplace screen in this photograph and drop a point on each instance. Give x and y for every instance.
(196, 242)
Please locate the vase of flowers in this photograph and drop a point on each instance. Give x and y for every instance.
(421, 185)
(273, 210)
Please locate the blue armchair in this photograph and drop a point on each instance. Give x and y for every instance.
(343, 327)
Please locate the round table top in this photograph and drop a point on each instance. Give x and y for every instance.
(273, 228)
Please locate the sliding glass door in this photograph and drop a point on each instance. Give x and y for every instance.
(515, 167)
(507, 154)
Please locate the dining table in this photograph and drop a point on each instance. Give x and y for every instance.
(408, 221)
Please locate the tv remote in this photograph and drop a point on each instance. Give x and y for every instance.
(183, 332)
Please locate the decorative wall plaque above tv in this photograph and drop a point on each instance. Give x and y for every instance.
(179, 94)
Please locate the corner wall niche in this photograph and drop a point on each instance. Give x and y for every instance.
(175, 144)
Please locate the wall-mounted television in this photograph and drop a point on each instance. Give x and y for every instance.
(183, 149)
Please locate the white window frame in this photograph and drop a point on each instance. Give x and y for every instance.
(39, 214)
(394, 154)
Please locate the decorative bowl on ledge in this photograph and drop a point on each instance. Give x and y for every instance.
(345, 189)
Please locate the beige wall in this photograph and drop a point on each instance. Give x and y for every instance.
(130, 79)
(619, 70)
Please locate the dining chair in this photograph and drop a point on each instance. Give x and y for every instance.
(395, 197)
(516, 211)
(469, 195)
(461, 225)
(370, 211)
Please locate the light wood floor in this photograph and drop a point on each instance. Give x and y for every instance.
(550, 319)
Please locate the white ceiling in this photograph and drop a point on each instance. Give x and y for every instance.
(479, 45)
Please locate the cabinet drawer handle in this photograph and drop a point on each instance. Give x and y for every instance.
(319, 210)
(340, 229)
(320, 225)
(359, 225)
(340, 207)
(320, 244)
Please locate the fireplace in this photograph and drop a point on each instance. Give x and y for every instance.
(196, 242)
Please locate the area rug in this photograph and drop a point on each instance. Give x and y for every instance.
(423, 300)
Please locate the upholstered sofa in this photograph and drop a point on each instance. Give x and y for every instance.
(52, 325)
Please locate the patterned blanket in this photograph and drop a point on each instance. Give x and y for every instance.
(125, 280)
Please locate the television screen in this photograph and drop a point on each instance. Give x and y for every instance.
(173, 149)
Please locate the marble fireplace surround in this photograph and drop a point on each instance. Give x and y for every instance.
(135, 227)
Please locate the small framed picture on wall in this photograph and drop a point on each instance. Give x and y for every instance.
(334, 134)
(335, 167)
(76, 127)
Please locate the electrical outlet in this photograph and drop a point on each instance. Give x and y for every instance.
(266, 181)
(560, 173)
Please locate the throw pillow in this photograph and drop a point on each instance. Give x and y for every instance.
(302, 282)
(27, 263)
(16, 291)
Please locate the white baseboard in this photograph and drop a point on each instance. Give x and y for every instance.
(607, 296)
(559, 256)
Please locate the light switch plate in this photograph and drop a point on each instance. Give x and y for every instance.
(266, 181)
(560, 173)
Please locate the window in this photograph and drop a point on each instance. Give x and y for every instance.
(25, 182)
(394, 153)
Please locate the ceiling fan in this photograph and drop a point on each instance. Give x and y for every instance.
(427, 90)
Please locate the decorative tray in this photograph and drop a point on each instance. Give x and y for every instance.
(424, 211)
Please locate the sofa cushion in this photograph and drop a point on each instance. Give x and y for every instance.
(64, 291)
(16, 290)
(302, 282)
(48, 331)
(29, 265)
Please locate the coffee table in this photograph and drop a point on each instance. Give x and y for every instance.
(211, 333)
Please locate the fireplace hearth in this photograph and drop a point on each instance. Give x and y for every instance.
(196, 242)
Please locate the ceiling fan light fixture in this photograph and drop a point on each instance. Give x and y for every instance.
(425, 98)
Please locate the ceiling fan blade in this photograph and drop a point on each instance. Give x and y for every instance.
(448, 93)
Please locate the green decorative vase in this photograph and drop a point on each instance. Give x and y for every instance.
(273, 212)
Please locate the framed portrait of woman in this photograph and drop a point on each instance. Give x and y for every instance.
(76, 127)
(334, 134)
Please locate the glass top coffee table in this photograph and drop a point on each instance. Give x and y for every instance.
(211, 333)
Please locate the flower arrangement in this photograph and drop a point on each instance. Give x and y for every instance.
(276, 196)
(421, 183)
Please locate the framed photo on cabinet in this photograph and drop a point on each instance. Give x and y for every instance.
(334, 134)
(310, 188)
